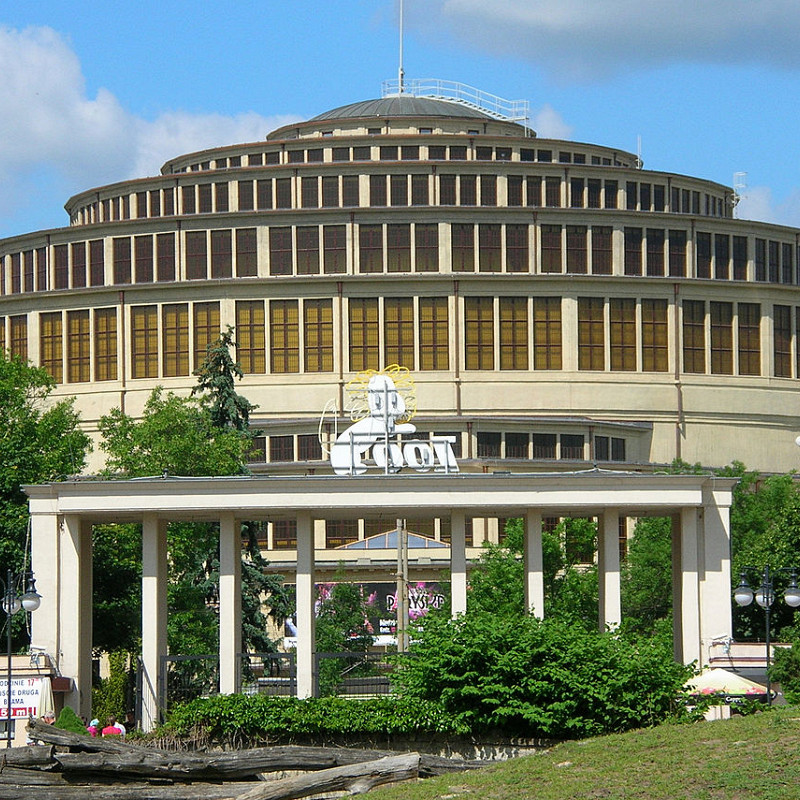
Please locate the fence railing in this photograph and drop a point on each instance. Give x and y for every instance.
(269, 673)
(353, 674)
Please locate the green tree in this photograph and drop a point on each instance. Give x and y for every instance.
(40, 440)
(216, 383)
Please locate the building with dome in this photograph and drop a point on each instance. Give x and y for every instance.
(559, 306)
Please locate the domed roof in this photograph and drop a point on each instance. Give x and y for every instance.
(402, 105)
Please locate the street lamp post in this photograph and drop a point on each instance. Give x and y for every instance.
(12, 603)
(765, 596)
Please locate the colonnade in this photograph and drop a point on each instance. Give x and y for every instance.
(63, 515)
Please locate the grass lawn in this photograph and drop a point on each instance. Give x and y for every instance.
(754, 757)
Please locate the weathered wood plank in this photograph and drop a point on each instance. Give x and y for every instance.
(355, 778)
(41, 757)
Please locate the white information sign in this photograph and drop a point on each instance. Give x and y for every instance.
(26, 696)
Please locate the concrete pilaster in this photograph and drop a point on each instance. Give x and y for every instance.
(154, 615)
(230, 604)
(534, 564)
(458, 564)
(686, 588)
(608, 580)
(306, 597)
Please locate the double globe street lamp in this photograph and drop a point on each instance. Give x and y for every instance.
(14, 601)
(764, 596)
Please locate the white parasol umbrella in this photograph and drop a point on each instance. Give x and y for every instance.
(722, 681)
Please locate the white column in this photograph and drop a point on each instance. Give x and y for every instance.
(306, 597)
(685, 591)
(715, 579)
(610, 610)
(46, 565)
(75, 615)
(230, 604)
(154, 615)
(458, 563)
(534, 563)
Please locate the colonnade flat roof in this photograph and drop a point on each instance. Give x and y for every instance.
(323, 496)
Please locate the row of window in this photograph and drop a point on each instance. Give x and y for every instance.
(406, 152)
(397, 248)
(489, 444)
(403, 190)
(498, 333)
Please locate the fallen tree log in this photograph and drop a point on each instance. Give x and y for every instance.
(355, 778)
(130, 791)
(41, 757)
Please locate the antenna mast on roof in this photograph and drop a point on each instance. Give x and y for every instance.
(400, 72)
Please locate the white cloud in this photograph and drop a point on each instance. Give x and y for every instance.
(589, 38)
(549, 124)
(52, 133)
(758, 203)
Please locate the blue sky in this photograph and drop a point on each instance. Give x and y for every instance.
(93, 93)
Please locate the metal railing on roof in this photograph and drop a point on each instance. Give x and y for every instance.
(494, 106)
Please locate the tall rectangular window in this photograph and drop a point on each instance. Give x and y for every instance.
(774, 261)
(489, 251)
(175, 339)
(51, 348)
(251, 336)
(740, 258)
(551, 248)
(576, 249)
(655, 355)
(221, 254)
(517, 248)
(749, 329)
(722, 256)
(703, 247)
(398, 331)
(622, 313)
(221, 197)
(264, 194)
(377, 190)
(721, 315)
(419, 190)
(165, 257)
(188, 198)
(655, 251)
(761, 259)
(318, 335)
(677, 254)
(782, 340)
(196, 255)
(591, 333)
(245, 191)
(463, 247)
(633, 251)
(488, 190)
(576, 189)
(283, 193)
(694, 336)
(330, 191)
(144, 342)
(42, 281)
(61, 258)
(122, 260)
(370, 248)
(514, 190)
(447, 190)
(468, 186)
(309, 192)
(18, 336)
(284, 336)
(204, 203)
(479, 332)
(334, 249)
(206, 329)
(434, 333)
(78, 266)
(280, 251)
(143, 254)
(97, 271)
(398, 190)
(552, 192)
(168, 202)
(307, 250)
(78, 346)
(350, 191)
(398, 247)
(426, 247)
(105, 344)
(601, 250)
(246, 253)
(547, 340)
(364, 334)
(513, 333)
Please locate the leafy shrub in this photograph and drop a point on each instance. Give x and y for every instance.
(261, 717)
(68, 720)
(548, 678)
(786, 671)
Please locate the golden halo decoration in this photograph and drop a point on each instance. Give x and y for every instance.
(357, 405)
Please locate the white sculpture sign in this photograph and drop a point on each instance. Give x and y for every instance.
(381, 405)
